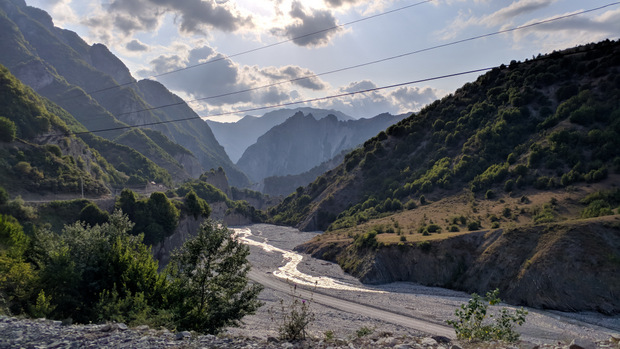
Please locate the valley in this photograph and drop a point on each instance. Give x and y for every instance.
(116, 191)
(416, 308)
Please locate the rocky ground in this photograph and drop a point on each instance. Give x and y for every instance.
(41, 333)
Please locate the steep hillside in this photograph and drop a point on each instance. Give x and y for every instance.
(511, 183)
(303, 142)
(59, 65)
(33, 160)
(236, 137)
(551, 122)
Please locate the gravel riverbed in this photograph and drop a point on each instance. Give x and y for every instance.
(430, 303)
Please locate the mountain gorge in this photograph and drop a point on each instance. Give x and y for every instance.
(303, 142)
(60, 66)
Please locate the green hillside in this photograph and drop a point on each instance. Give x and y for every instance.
(549, 123)
(36, 161)
(62, 67)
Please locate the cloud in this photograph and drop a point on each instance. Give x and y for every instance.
(339, 3)
(500, 18)
(126, 17)
(198, 15)
(313, 28)
(401, 100)
(517, 8)
(136, 46)
(571, 31)
(303, 77)
(222, 83)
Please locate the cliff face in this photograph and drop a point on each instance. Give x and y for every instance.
(568, 267)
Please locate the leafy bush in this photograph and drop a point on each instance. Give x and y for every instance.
(209, 287)
(366, 240)
(473, 225)
(84, 263)
(8, 130)
(471, 325)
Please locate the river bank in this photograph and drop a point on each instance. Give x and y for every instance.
(429, 303)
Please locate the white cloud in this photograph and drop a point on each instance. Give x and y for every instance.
(124, 18)
(223, 84)
(571, 31)
(312, 28)
(501, 18)
(368, 104)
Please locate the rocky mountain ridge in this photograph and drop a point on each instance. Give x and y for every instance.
(303, 142)
(236, 137)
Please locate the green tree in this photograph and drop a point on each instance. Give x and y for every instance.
(196, 206)
(85, 264)
(16, 276)
(472, 323)
(91, 214)
(8, 130)
(209, 286)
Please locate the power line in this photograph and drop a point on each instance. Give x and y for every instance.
(346, 94)
(284, 104)
(224, 57)
(310, 76)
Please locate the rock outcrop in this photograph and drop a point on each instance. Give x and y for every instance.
(568, 267)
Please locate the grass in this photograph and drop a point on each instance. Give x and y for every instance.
(491, 214)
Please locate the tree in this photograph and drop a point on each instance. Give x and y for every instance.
(8, 130)
(209, 286)
(16, 276)
(86, 265)
(196, 206)
(91, 214)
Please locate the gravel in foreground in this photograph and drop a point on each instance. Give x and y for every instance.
(42, 333)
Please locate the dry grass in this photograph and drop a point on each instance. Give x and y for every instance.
(506, 210)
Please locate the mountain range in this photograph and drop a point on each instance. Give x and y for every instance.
(304, 141)
(97, 89)
(236, 137)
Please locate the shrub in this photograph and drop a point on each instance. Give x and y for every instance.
(294, 318)
(454, 228)
(91, 214)
(473, 225)
(422, 200)
(490, 194)
(470, 324)
(8, 130)
(366, 240)
(364, 331)
(425, 246)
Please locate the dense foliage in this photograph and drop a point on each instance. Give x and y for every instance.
(105, 273)
(546, 123)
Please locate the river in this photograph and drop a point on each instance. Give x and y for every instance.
(415, 309)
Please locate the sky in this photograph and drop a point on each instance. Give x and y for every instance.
(241, 57)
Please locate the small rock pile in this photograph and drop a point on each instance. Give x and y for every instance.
(42, 333)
